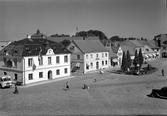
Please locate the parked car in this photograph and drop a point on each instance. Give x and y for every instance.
(5, 81)
(159, 93)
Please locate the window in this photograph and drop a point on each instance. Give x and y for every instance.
(78, 56)
(5, 73)
(30, 77)
(87, 57)
(15, 77)
(87, 66)
(65, 71)
(65, 58)
(30, 62)
(4, 61)
(91, 56)
(15, 62)
(106, 54)
(9, 63)
(102, 55)
(106, 62)
(40, 74)
(57, 59)
(72, 48)
(49, 60)
(91, 64)
(40, 61)
(164, 48)
(58, 72)
(97, 55)
(102, 63)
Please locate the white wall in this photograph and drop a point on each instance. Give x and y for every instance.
(94, 59)
(46, 67)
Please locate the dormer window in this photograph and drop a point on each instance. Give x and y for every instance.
(72, 48)
(15, 62)
(9, 63)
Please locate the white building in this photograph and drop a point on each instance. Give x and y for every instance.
(88, 55)
(34, 59)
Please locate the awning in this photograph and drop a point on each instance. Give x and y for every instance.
(146, 56)
(115, 60)
(77, 64)
(154, 54)
(149, 55)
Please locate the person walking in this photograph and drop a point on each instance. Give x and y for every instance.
(85, 86)
(16, 90)
(162, 72)
(67, 86)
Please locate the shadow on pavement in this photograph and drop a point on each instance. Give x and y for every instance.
(149, 95)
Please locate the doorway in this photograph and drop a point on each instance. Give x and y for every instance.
(15, 77)
(49, 74)
(97, 65)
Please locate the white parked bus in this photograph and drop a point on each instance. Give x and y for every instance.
(5, 81)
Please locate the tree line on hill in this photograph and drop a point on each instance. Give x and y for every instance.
(102, 37)
(99, 34)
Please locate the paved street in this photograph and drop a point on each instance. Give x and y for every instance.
(111, 94)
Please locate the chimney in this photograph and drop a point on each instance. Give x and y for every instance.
(29, 36)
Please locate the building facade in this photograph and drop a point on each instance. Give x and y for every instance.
(34, 59)
(88, 55)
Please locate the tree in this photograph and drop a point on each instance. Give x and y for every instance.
(140, 59)
(129, 61)
(124, 62)
(61, 35)
(115, 38)
(65, 42)
(136, 60)
(97, 33)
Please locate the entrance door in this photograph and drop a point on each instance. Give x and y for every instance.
(97, 65)
(50, 74)
(15, 77)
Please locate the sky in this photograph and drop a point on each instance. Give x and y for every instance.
(124, 18)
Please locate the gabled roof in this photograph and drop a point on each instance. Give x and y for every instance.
(129, 44)
(31, 47)
(136, 43)
(90, 46)
(148, 50)
(111, 53)
(143, 42)
(126, 48)
(115, 48)
(150, 43)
